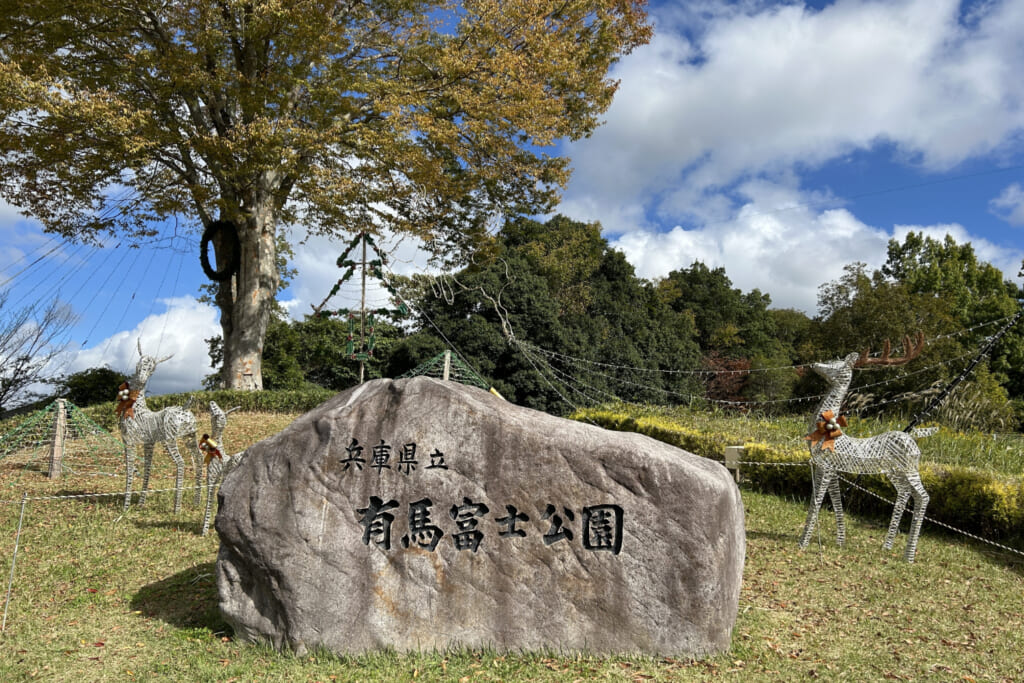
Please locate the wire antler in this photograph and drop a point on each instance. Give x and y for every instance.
(910, 352)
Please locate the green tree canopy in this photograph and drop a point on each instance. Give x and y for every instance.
(559, 286)
(95, 385)
(312, 351)
(938, 287)
(729, 322)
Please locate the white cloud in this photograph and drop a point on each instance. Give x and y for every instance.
(762, 91)
(1009, 205)
(786, 253)
(707, 146)
(177, 332)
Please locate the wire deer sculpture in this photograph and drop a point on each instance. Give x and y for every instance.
(894, 454)
(140, 425)
(217, 461)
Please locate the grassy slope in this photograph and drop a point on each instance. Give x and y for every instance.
(105, 595)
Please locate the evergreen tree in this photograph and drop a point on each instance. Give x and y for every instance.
(559, 286)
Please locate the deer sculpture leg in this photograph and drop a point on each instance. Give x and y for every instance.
(213, 474)
(179, 471)
(197, 463)
(822, 479)
(147, 465)
(837, 506)
(129, 461)
(920, 504)
(902, 496)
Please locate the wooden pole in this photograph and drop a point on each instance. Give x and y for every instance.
(447, 366)
(60, 428)
(733, 454)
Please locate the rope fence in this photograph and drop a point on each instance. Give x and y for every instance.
(25, 499)
(734, 465)
(109, 494)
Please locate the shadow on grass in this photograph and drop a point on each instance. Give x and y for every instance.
(187, 599)
(111, 499)
(772, 535)
(175, 524)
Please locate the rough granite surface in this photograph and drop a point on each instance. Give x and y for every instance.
(591, 540)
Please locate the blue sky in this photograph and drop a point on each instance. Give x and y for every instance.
(780, 141)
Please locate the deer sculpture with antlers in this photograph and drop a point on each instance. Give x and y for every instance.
(894, 454)
(217, 461)
(140, 425)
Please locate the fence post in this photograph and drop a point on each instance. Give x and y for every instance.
(60, 428)
(447, 365)
(733, 455)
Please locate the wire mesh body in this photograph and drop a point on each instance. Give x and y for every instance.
(894, 454)
(882, 454)
(147, 428)
(217, 466)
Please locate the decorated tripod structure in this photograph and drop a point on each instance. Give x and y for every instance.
(893, 454)
(141, 426)
(361, 324)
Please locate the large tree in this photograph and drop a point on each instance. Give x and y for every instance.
(422, 116)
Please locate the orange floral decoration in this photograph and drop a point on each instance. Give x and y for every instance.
(126, 398)
(211, 448)
(828, 430)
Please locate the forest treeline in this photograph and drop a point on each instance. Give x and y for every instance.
(555, 317)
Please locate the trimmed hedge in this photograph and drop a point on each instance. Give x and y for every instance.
(298, 401)
(980, 502)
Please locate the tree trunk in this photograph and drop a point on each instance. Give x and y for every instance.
(245, 301)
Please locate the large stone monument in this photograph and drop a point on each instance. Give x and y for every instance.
(419, 514)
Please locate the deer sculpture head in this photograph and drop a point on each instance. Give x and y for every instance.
(145, 367)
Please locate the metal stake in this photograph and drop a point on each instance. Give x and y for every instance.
(14, 559)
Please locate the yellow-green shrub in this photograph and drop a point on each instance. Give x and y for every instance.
(981, 502)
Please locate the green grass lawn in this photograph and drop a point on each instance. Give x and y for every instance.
(103, 595)
(100, 594)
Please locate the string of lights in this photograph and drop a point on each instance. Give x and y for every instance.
(704, 371)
